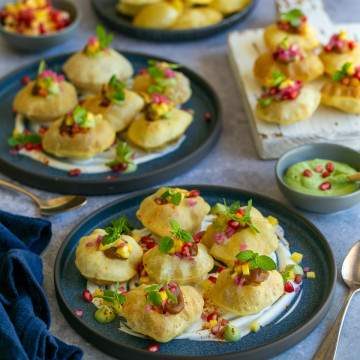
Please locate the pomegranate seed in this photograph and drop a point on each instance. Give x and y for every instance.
(79, 312)
(289, 288)
(230, 232)
(119, 167)
(307, 173)
(325, 186)
(160, 201)
(207, 117)
(212, 316)
(351, 45)
(29, 147)
(193, 193)
(319, 168)
(330, 167)
(234, 224)
(153, 347)
(212, 279)
(298, 279)
(74, 172)
(198, 236)
(87, 296)
(325, 174)
(25, 79)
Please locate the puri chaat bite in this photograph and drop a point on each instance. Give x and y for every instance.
(115, 103)
(109, 255)
(185, 207)
(159, 124)
(289, 59)
(342, 92)
(179, 256)
(92, 68)
(46, 98)
(163, 78)
(294, 25)
(287, 101)
(251, 285)
(78, 135)
(162, 311)
(235, 228)
(340, 50)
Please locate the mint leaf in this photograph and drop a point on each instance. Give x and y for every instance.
(104, 39)
(172, 196)
(116, 90)
(342, 73)
(265, 101)
(151, 288)
(42, 67)
(124, 155)
(176, 198)
(277, 78)
(154, 298)
(171, 297)
(245, 256)
(293, 16)
(265, 263)
(179, 233)
(166, 244)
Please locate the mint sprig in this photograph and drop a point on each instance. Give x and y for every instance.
(161, 82)
(256, 261)
(42, 67)
(342, 73)
(113, 297)
(117, 228)
(179, 233)
(23, 139)
(104, 38)
(116, 93)
(277, 77)
(293, 17)
(124, 155)
(166, 244)
(172, 196)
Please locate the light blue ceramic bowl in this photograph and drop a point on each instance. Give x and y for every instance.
(39, 43)
(319, 204)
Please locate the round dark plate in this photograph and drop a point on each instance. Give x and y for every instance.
(270, 340)
(106, 10)
(200, 138)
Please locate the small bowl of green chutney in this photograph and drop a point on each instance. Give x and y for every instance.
(317, 177)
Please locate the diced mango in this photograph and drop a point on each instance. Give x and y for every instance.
(297, 257)
(255, 326)
(212, 323)
(163, 295)
(123, 251)
(245, 269)
(311, 275)
(273, 220)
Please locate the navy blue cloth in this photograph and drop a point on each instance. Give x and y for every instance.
(24, 310)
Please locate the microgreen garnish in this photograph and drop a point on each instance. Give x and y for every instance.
(158, 72)
(172, 196)
(23, 139)
(116, 229)
(153, 296)
(290, 271)
(256, 261)
(113, 297)
(277, 77)
(264, 102)
(124, 158)
(115, 92)
(104, 38)
(293, 17)
(343, 72)
(179, 233)
(232, 212)
(42, 67)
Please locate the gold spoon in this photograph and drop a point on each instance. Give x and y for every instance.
(351, 275)
(50, 206)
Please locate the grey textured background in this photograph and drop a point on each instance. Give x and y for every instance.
(232, 162)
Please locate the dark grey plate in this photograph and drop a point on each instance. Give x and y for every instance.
(269, 341)
(106, 11)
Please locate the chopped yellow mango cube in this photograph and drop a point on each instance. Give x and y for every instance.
(163, 295)
(245, 269)
(273, 220)
(297, 257)
(311, 275)
(255, 326)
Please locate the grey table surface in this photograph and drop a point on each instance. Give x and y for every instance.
(232, 162)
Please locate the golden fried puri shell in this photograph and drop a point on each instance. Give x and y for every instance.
(305, 70)
(160, 15)
(341, 97)
(290, 111)
(333, 61)
(128, 9)
(193, 18)
(160, 327)
(45, 109)
(80, 146)
(227, 7)
(90, 73)
(307, 41)
(248, 299)
(94, 265)
(157, 218)
(265, 242)
(178, 93)
(163, 267)
(154, 135)
(118, 115)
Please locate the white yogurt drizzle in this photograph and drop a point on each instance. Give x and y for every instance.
(95, 165)
(282, 256)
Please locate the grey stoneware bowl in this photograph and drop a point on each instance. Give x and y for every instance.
(313, 203)
(27, 43)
